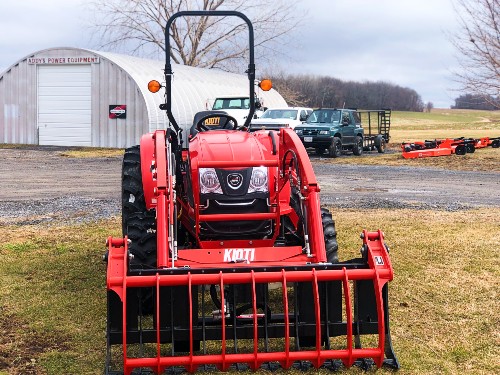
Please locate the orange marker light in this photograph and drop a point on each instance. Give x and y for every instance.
(266, 84)
(154, 86)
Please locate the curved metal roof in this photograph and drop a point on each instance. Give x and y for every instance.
(192, 88)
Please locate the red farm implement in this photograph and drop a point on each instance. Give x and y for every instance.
(443, 147)
(227, 259)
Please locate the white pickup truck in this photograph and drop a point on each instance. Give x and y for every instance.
(275, 118)
(237, 107)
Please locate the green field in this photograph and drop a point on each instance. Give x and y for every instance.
(444, 299)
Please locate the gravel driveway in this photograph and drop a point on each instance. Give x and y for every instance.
(39, 185)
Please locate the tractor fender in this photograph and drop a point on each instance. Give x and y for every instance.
(147, 165)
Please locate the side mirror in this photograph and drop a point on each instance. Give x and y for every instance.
(258, 105)
(345, 122)
(303, 117)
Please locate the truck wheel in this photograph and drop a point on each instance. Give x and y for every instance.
(330, 233)
(357, 148)
(320, 151)
(335, 149)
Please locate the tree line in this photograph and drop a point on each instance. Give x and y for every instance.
(472, 101)
(323, 91)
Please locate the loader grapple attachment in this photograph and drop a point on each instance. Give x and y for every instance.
(314, 314)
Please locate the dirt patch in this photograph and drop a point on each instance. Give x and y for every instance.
(21, 346)
(41, 185)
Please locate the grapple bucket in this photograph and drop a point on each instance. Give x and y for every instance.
(249, 317)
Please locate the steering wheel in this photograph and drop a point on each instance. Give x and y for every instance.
(201, 127)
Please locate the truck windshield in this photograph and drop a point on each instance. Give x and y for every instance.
(280, 113)
(326, 116)
(231, 103)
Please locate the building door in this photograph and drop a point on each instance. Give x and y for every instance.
(64, 105)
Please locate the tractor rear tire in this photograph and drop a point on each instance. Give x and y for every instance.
(357, 148)
(330, 234)
(335, 149)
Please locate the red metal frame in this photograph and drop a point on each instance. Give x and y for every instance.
(380, 271)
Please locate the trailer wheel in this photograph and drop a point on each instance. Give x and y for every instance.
(381, 148)
(335, 149)
(357, 148)
(330, 234)
(380, 144)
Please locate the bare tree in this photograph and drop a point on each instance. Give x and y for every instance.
(478, 46)
(138, 27)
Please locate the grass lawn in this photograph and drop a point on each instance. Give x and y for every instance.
(444, 299)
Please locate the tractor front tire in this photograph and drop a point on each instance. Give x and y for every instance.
(330, 234)
(132, 190)
(138, 223)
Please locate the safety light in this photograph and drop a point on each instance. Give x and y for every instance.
(266, 84)
(154, 86)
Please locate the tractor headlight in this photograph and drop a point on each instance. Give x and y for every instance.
(298, 131)
(324, 132)
(258, 181)
(209, 182)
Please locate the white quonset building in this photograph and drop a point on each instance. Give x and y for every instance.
(79, 97)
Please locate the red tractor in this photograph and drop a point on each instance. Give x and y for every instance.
(227, 259)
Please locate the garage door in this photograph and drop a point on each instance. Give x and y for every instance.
(64, 105)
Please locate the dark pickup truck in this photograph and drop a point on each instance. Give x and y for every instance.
(334, 130)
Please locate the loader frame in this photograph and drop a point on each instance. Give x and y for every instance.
(277, 304)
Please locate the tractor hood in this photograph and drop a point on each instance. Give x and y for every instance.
(226, 145)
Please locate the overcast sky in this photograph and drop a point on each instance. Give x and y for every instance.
(404, 42)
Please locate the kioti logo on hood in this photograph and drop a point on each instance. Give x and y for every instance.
(234, 180)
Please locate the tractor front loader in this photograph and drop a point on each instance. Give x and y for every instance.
(227, 259)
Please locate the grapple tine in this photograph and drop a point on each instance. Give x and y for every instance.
(348, 310)
(317, 310)
(255, 364)
(286, 363)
